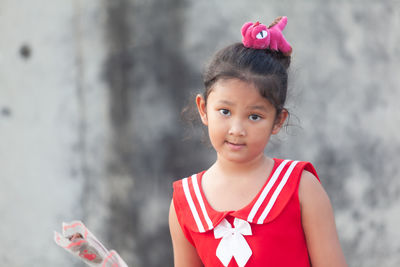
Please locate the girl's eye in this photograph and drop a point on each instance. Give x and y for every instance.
(254, 117)
(224, 112)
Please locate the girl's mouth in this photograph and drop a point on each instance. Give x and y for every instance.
(235, 146)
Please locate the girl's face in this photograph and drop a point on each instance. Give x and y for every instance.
(240, 121)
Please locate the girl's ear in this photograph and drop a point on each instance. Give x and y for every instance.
(280, 120)
(201, 107)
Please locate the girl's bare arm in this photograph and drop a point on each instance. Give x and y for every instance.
(319, 224)
(185, 254)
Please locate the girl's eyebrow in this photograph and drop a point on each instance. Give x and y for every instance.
(226, 102)
(260, 107)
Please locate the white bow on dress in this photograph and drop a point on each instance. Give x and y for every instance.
(233, 243)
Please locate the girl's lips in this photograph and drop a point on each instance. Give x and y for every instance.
(234, 146)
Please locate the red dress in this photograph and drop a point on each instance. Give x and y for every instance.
(266, 232)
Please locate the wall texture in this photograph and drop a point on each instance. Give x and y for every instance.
(90, 99)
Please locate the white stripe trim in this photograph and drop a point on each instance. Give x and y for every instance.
(201, 201)
(276, 193)
(192, 206)
(265, 192)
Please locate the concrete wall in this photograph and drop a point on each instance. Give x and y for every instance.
(90, 99)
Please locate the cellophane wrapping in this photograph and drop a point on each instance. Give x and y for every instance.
(79, 241)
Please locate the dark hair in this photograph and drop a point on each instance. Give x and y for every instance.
(265, 68)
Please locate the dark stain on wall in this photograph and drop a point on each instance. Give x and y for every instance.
(149, 83)
(25, 51)
(5, 112)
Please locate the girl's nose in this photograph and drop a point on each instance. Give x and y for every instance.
(237, 129)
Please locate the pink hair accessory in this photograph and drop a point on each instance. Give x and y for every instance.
(259, 36)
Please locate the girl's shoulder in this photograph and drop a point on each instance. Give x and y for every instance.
(292, 171)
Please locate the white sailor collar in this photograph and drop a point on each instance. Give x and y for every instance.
(192, 206)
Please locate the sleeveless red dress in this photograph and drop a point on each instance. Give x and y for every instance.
(266, 232)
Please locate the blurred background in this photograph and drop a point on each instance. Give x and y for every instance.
(91, 94)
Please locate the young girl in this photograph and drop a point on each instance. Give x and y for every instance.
(248, 209)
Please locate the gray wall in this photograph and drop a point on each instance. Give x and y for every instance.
(90, 99)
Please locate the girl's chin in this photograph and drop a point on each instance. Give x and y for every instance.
(240, 157)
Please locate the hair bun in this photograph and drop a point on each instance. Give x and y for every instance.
(281, 57)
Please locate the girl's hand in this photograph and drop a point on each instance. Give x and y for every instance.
(319, 224)
(185, 254)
